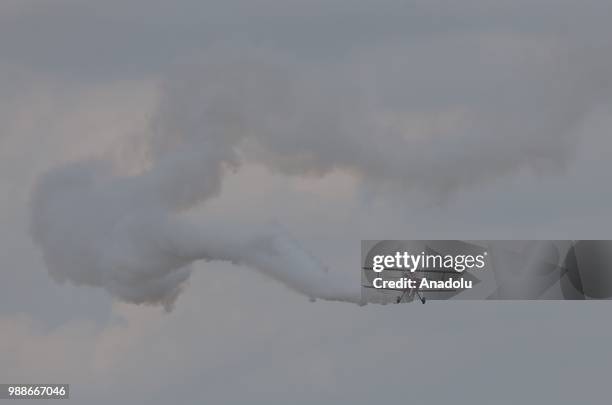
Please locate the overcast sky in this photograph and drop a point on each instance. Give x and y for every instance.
(471, 120)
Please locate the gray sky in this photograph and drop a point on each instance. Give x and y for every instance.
(502, 111)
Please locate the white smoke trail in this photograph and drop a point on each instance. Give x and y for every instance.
(122, 233)
(101, 230)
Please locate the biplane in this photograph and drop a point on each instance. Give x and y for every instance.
(408, 294)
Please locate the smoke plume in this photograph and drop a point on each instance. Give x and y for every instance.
(123, 232)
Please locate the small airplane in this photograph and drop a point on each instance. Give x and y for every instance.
(408, 294)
